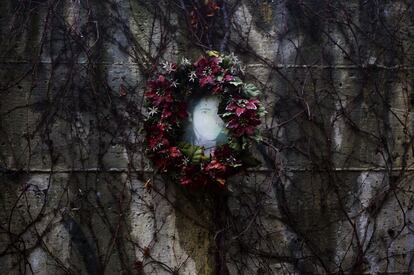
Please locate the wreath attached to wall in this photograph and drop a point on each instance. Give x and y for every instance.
(169, 95)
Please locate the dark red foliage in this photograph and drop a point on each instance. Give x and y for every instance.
(191, 176)
(239, 106)
(215, 168)
(165, 96)
(244, 124)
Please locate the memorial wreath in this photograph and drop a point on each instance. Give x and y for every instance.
(167, 95)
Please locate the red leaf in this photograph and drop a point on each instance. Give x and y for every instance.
(233, 124)
(174, 152)
(240, 111)
(122, 90)
(221, 181)
(217, 89)
(212, 8)
(206, 80)
(228, 77)
(251, 105)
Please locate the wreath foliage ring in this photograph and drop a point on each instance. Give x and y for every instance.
(167, 95)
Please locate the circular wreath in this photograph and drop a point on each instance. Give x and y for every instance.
(167, 95)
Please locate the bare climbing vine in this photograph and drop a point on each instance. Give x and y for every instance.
(334, 194)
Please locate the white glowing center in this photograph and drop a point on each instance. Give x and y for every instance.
(207, 124)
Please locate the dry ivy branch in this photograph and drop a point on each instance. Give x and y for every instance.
(334, 194)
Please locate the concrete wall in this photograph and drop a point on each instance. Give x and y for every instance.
(334, 193)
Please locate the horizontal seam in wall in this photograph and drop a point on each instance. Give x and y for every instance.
(286, 169)
(278, 66)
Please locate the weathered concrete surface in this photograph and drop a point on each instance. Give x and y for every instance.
(335, 190)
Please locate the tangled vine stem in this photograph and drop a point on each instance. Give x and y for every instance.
(335, 192)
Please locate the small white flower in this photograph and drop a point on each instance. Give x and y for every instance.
(174, 83)
(165, 65)
(207, 71)
(168, 66)
(234, 59)
(156, 147)
(152, 111)
(192, 76)
(185, 61)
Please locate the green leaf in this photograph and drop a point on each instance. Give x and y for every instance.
(193, 152)
(262, 111)
(258, 137)
(235, 145)
(236, 82)
(213, 53)
(245, 143)
(226, 114)
(251, 90)
(226, 62)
